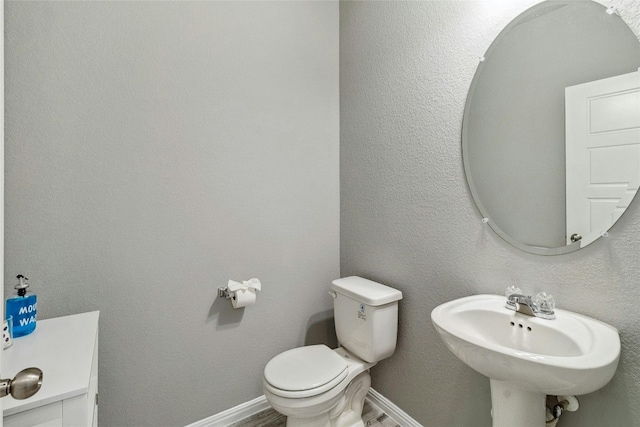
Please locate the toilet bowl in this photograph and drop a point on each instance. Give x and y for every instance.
(315, 386)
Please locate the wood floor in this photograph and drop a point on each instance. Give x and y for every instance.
(372, 416)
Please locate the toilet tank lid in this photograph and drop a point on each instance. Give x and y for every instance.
(366, 291)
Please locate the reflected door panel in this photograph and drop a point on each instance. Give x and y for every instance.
(602, 153)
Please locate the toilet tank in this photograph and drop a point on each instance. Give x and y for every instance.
(366, 317)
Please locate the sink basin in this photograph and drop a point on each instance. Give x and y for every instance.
(570, 355)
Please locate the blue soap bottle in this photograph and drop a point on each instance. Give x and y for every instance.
(23, 309)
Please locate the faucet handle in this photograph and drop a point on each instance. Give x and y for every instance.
(545, 302)
(512, 290)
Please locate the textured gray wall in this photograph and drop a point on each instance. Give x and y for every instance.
(408, 220)
(153, 151)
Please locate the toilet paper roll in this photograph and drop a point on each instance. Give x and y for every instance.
(243, 298)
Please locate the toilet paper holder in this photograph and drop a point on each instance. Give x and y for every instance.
(239, 291)
(224, 293)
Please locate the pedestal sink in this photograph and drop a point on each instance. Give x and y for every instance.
(526, 357)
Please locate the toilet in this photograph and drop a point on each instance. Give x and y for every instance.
(316, 386)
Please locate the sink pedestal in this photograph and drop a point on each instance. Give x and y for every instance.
(511, 406)
(571, 354)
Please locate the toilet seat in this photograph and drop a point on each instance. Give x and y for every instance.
(305, 371)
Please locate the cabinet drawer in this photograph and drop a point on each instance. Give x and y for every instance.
(44, 416)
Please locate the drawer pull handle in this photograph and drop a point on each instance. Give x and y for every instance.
(25, 384)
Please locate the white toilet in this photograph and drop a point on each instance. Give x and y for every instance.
(317, 386)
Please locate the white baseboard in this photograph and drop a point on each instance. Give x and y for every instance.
(235, 414)
(259, 404)
(390, 408)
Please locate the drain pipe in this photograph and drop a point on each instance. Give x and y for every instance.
(559, 404)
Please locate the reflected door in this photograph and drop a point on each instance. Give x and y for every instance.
(602, 153)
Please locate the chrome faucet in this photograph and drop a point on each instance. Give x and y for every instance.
(525, 305)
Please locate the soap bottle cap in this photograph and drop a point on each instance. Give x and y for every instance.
(22, 285)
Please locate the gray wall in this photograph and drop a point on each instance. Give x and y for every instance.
(155, 150)
(408, 220)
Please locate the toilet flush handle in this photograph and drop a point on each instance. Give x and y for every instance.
(333, 294)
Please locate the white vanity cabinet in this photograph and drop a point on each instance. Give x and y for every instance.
(66, 350)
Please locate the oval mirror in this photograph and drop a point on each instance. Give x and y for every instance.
(551, 128)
